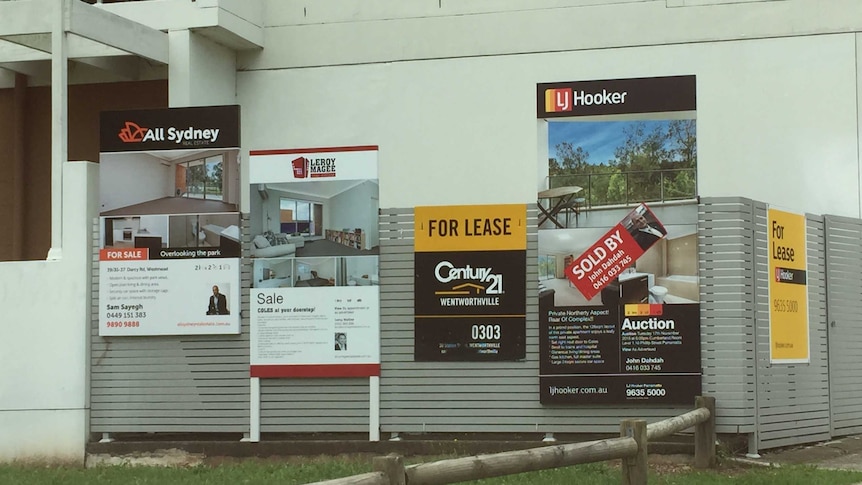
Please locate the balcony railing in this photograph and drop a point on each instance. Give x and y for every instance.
(622, 188)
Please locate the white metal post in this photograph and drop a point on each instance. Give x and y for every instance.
(254, 387)
(374, 408)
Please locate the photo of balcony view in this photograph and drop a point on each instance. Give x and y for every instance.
(622, 162)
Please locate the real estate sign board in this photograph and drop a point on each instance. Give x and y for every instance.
(470, 289)
(169, 250)
(315, 303)
(619, 318)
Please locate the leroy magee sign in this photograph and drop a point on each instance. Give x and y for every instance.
(618, 249)
(313, 167)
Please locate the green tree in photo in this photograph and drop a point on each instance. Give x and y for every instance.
(196, 179)
(214, 180)
(682, 135)
(682, 138)
(651, 164)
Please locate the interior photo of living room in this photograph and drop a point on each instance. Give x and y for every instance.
(314, 219)
(666, 273)
(176, 199)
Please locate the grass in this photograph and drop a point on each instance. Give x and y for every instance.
(286, 471)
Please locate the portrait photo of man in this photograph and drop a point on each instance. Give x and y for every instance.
(217, 303)
(645, 228)
(340, 341)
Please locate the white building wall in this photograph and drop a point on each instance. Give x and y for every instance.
(777, 118)
(304, 33)
(43, 337)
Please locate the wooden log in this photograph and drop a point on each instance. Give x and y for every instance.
(512, 462)
(392, 466)
(372, 478)
(634, 468)
(704, 435)
(667, 427)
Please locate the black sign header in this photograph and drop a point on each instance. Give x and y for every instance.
(192, 128)
(616, 96)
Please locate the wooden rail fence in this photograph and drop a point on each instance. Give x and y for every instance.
(631, 447)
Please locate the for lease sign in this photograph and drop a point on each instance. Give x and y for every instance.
(470, 265)
(788, 288)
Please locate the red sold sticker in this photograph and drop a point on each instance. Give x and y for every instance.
(617, 250)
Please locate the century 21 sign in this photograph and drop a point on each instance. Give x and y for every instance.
(788, 288)
(470, 287)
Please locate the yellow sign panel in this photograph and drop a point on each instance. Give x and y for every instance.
(788, 288)
(470, 228)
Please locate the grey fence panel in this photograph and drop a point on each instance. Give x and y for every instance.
(428, 397)
(844, 267)
(792, 399)
(169, 383)
(201, 383)
(726, 270)
(314, 405)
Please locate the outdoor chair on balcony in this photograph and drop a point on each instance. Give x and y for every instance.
(574, 206)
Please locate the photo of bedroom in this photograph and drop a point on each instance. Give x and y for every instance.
(314, 218)
(312, 272)
(666, 273)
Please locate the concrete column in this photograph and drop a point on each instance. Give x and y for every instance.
(201, 72)
(59, 122)
(17, 175)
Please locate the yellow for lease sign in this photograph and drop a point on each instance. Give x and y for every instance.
(788, 288)
(470, 228)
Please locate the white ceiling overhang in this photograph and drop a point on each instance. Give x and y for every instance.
(116, 37)
(236, 24)
(92, 34)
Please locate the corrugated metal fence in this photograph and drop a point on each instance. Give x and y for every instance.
(201, 384)
(844, 311)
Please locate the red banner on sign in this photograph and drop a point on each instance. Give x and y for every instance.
(314, 370)
(618, 249)
(130, 254)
